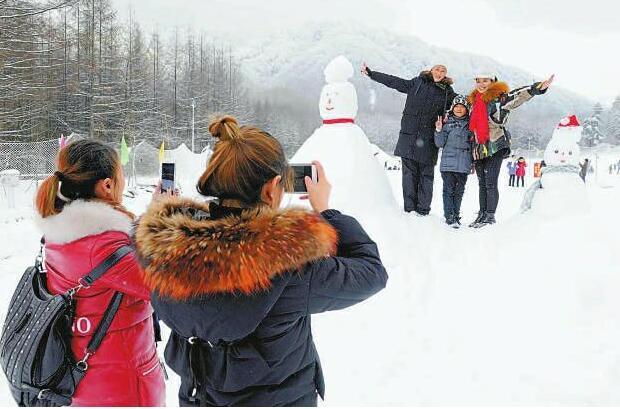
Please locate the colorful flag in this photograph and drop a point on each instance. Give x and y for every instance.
(124, 151)
(62, 141)
(161, 152)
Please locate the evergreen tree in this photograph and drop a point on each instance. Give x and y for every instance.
(592, 134)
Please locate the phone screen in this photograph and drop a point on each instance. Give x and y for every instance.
(301, 171)
(167, 177)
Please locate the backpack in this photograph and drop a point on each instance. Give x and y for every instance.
(35, 348)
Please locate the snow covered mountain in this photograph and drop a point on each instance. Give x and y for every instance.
(292, 61)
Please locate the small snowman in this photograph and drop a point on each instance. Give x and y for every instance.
(358, 181)
(560, 190)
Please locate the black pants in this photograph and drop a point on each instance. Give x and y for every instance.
(487, 170)
(417, 185)
(511, 180)
(453, 189)
(522, 179)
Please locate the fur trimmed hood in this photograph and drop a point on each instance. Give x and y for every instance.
(427, 74)
(187, 254)
(82, 218)
(496, 89)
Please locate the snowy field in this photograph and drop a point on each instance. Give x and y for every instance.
(524, 312)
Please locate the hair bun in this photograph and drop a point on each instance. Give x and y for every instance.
(225, 128)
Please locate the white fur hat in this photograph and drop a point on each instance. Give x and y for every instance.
(485, 75)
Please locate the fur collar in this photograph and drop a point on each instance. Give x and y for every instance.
(495, 90)
(185, 255)
(427, 75)
(82, 218)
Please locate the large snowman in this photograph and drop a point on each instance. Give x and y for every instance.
(359, 182)
(560, 190)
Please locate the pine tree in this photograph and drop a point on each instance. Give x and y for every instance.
(592, 134)
(612, 123)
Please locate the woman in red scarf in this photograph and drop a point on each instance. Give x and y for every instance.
(492, 101)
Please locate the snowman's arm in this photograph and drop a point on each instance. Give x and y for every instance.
(391, 81)
(519, 96)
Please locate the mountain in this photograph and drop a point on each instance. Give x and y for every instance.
(289, 63)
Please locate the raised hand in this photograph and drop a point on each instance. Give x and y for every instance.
(364, 69)
(547, 83)
(439, 123)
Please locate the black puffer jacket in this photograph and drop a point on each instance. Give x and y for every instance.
(426, 100)
(245, 285)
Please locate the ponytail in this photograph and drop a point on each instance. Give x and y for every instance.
(80, 165)
(47, 201)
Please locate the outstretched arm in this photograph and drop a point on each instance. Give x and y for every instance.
(519, 96)
(391, 81)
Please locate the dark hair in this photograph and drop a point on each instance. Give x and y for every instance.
(80, 165)
(244, 159)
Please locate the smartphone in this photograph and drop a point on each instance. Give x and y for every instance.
(301, 170)
(167, 177)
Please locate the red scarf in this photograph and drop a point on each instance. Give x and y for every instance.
(479, 120)
(339, 121)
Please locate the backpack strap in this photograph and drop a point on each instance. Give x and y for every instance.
(112, 308)
(105, 265)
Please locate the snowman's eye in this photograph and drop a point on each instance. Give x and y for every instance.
(570, 152)
(557, 151)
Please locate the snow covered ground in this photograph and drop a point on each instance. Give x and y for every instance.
(524, 312)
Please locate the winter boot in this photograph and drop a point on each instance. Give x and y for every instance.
(478, 219)
(451, 221)
(489, 218)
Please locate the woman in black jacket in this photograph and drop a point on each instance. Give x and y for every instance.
(237, 279)
(429, 95)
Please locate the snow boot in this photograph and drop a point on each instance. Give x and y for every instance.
(489, 218)
(451, 220)
(478, 219)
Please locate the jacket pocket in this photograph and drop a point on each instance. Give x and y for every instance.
(151, 384)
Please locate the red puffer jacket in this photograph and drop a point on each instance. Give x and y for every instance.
(125, 370)
(521, 168)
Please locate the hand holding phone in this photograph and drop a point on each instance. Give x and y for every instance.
(167, 177)
(319, 190)
(301, 171)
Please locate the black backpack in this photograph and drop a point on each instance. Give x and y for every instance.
(35, 348)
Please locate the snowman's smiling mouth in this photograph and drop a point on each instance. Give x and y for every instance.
(328, 108)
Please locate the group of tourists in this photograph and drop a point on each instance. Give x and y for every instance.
(235, 278)
(470, 130)
(516, 171)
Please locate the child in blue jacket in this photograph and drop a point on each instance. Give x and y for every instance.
(454, 137)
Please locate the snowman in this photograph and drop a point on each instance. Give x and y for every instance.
(560, 190)
(359, 183)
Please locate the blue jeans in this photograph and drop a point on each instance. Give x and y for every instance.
(453, 190)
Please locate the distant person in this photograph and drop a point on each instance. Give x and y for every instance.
(454, 137)
(237, 279)
(428, 96)
(584, 167)
(492, 101)
(520, 172)
(618, 167)
(512, 171)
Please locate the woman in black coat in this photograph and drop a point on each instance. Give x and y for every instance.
(238, 279)
(429, 95)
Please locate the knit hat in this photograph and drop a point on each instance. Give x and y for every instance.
(460, 100)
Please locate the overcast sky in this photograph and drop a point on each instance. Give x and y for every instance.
(579, 41)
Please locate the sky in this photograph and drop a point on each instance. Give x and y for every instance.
(579, 41)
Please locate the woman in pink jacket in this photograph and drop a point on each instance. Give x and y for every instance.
(521, 165)
(83, 222)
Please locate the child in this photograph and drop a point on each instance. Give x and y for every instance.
(454, 137)
(512, 171)
(521, 165)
